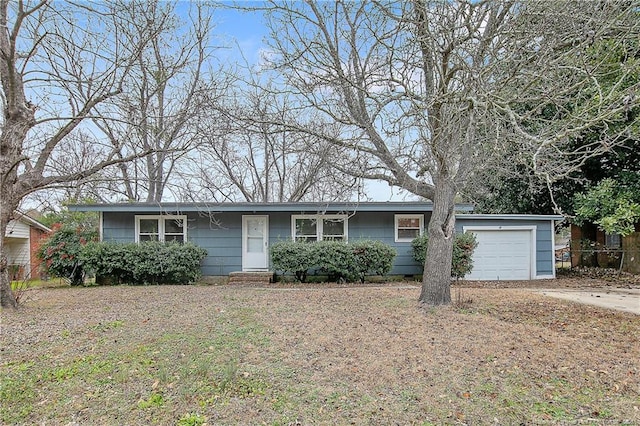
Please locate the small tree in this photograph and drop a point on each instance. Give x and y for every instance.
(61, 252)
(53, 219)
(463, 247)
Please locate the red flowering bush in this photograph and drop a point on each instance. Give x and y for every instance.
(61, 252)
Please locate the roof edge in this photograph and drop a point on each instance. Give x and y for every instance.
(31, 221)
(263, 207)
(510, 216)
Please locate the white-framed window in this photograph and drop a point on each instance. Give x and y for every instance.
(408, 227)
(317, 227)
(161, 228)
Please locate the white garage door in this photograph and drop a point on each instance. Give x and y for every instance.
(502, 255)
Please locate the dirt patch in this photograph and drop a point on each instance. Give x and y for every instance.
(316, 355)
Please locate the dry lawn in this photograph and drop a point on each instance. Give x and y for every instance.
(220, 355)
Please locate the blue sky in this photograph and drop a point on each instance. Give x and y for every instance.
(247, 29)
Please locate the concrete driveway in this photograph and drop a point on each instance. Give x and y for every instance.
(622, 299)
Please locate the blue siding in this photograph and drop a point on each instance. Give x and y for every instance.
(381, 226)
(279, 227)
(221, 235)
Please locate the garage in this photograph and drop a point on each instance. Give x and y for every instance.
(503, 253)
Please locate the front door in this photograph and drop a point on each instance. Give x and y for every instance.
(255, 243)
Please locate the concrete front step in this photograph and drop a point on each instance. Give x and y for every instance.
(243, 277)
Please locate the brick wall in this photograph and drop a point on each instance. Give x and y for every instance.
(35, 237)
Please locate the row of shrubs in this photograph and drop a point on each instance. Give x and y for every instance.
(74, 254)
(338, 260)
(71, 253)
(354, 261)
(150, 262)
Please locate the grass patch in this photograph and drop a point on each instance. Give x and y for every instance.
(192, 419)
(221, 355)
(28, 284)
(17, 391)
(154, 400)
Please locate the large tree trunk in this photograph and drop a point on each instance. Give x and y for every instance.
(7, 298)
(16, 125)
(436, 281)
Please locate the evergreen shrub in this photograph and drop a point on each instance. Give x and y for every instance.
(150, 262)
(293, 257)
(338, 260)
(373, 258)
(335, 259)
(463, 248)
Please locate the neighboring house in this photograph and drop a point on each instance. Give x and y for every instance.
(591, 246)
(22, 241)
(237, 236)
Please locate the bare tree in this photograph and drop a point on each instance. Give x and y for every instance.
(58, 62)
(161, 101)
(76, 152)
(245, 155)
(428, 91)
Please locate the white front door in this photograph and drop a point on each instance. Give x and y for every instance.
(255, 243)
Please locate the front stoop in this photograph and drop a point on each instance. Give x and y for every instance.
(242, 277)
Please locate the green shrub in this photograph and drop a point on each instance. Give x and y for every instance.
(61, 252)
(182, 262)
(110, 262)
(463, 247)
(373, 258)
(294, 257)
(419, 248)
(337, 259)
(150, 262)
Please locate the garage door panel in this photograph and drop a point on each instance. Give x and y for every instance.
(502, 255)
